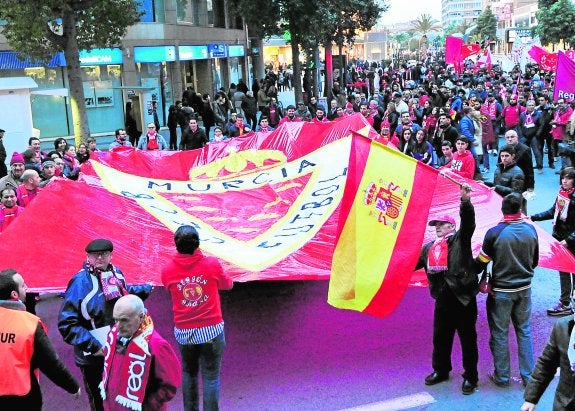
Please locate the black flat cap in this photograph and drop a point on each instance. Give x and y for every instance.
(100, 244)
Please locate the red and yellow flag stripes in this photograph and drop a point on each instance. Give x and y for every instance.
(381, 227)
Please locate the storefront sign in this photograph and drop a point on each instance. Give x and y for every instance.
(96, 57)
(236, 51)
(154, 54)
(217, 50)
(193, 52)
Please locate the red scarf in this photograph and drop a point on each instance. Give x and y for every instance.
(412, 115)
(489, 109)
(136, 371)
(562, 204)
(437, 255)
(152, 144)
(508, 218)
(112, 286)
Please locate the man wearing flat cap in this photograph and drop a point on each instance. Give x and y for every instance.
(87, 312)
(450, 269)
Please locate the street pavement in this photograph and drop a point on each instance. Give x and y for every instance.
(287, 349)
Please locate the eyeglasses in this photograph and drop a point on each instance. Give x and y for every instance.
(100, 254)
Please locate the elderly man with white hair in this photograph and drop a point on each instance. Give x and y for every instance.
(141, 370)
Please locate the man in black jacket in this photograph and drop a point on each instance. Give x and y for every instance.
(194, 137)
(524, 160)
(544, 133)
(450, 269)
(562, 212)
(513, 247)
(558, 353)
(508, 177)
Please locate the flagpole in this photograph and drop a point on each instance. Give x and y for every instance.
(459, 183)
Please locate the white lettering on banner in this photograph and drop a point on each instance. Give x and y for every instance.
(566, 95)
(325, 168)
(136, 370)
(95, 59)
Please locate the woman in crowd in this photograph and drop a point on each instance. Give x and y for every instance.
(405, 141)
(72, 169)
(83, 154)
(421, 149)
(60, 145)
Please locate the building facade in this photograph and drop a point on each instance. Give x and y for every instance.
(178, 44)
(459, 11)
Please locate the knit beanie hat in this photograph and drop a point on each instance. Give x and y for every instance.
(17, 158)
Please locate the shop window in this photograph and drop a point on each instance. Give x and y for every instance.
(192, 11)
(210, 13)
(48, 112)
(155, 77)
(152, 11)
(103, 97)
(219, 12)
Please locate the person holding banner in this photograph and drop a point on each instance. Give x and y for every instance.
(193, 281)
(513, 248)
(449, 266)
(562, 212)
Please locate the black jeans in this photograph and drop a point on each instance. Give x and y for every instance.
(541, 140)
(450, 316)
(173, 138)
(566, 281)
(92, 375)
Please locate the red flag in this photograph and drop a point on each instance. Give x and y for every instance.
(485, 59)
(453, 50)
(537, 52)
(565, 79)
(469, 50)
(549, 62)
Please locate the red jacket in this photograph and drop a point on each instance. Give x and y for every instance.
(193, 282)
(464, 165)
(163, 382)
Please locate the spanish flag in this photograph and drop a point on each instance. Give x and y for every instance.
(381, 227)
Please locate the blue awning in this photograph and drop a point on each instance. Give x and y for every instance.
(9, 61)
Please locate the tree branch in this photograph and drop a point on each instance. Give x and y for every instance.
(78, 5)
(60, 40)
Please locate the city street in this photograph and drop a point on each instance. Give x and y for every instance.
(287, 349)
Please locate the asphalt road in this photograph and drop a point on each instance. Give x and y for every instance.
(289, 350)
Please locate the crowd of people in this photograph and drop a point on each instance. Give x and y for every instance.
(427, 111)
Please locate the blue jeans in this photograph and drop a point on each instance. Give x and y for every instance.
(502, 307)
(206, 358)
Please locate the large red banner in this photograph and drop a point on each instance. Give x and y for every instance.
(266, 204)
